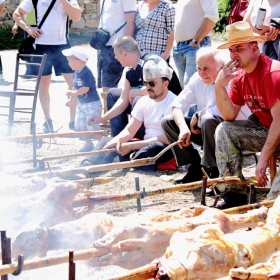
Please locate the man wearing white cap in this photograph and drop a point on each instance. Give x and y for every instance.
(85, 91)
(254, 81)
(149, 110)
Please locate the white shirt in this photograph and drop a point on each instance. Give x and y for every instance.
(203, 95)
(54, 27)
(151, 112)
(113, 16)
(189, 16)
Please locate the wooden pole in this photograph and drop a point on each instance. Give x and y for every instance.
(141, 194)
(50, 261)
(54, 135)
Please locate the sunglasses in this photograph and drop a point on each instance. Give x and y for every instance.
(151, 83)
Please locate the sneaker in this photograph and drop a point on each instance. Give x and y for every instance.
(86, 147)
(193, 174)
(210, 192)
(232, 199)
(72, 125)
(48, 126)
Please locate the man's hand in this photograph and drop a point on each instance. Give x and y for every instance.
(34, 32)
(71, 101)
(185, 138)
(124, 148)
(260, 172)
(227, 73)
(95, 120)
(15, 29)
(194, 124)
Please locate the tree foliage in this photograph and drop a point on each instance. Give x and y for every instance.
(224, 10)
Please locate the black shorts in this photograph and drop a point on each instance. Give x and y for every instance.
(55, 59)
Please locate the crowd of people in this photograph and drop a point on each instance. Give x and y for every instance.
(236, 99)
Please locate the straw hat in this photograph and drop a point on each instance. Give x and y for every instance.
(240, 32)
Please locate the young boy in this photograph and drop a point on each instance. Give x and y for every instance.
(89, 103)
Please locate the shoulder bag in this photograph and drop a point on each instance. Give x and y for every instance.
(101, 36)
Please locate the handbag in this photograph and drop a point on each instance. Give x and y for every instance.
(101, 36)
(28, 44)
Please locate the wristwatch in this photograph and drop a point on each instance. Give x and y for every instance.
(195, 42)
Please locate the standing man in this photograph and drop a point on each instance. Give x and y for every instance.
(255, 81)
(114, 14)
(194, 21)
(51, 39)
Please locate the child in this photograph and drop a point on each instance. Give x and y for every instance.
(89, 103)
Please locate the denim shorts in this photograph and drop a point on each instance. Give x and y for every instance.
(84, 111)
(55, 59)
(109, 68)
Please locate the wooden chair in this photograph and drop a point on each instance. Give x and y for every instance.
(20, 88)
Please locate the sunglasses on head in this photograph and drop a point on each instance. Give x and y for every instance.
(151, 83)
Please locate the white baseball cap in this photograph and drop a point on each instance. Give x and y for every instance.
(78, 52)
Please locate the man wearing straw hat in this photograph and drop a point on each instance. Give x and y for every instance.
(254, 81)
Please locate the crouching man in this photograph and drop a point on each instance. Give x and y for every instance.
(149, 110)
(255, 81)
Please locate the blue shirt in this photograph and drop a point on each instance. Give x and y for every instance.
(85, 79)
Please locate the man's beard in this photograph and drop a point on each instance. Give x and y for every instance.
(152, 94)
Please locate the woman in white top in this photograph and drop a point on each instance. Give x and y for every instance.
(270, 47)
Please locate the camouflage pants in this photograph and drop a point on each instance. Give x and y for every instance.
(231, 139)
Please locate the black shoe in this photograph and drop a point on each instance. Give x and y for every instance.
(212, 171)
(48, 126)
(72, 125)
(193, 174)
(232, 199)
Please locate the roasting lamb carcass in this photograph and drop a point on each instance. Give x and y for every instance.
(51, 205)
(207, 253)
(269, 269)
(138, 244)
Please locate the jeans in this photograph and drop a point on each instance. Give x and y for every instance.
(184, 57)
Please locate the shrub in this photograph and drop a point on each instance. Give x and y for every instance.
(8, 41)
(224, 10)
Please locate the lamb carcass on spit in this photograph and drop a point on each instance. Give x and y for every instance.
(137, 244)
(269, 269)
(51, 205)
(208, 253)
(138, 239)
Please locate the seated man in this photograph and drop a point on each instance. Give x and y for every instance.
(149, 110)
(127, 53)
(199, 129)
(254, 80)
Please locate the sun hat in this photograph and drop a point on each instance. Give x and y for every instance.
(156, 67)
(240, 32)
(78, 52)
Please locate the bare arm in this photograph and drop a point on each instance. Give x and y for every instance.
(247, 16)
(185, 134)
(206, 27)
(169, 46)
(228, 110)
(19, 18)
(271, 144)
(118, 108)
(72, 10)
(129, 28)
